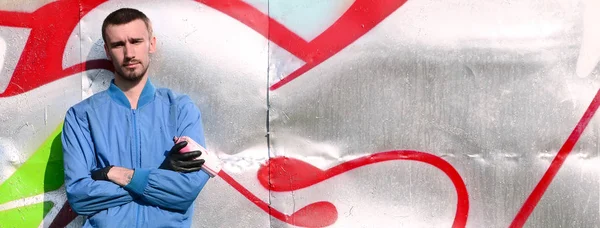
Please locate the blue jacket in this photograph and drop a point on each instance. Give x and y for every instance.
(103, 130)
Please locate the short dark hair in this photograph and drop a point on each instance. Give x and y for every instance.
(124, 16)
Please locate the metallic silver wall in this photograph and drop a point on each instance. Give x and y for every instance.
(339, 113)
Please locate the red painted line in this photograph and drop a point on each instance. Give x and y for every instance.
(561, 156)
(305, 175)
(319, 214)
(295, 74)
(360, 18)
(15, 19)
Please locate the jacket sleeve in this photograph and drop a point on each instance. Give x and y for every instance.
(168, 189)
(85, 195)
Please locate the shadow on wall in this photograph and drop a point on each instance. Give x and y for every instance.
(54, 172)
(53, 179)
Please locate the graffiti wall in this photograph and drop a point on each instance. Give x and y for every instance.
(337, 113)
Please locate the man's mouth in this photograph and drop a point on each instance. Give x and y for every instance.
(130, 65)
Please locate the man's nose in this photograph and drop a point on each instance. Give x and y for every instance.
(129, 51)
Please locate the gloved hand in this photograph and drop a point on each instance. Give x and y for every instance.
(101, 174)
(182, 162)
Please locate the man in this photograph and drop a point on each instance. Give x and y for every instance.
(122, 168)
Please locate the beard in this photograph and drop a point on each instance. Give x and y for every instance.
(131, 75)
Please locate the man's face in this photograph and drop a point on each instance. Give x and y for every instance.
(128, 47)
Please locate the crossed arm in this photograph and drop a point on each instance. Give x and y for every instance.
(175, 161)
(88, 196)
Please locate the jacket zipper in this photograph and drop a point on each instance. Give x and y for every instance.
(136, 153)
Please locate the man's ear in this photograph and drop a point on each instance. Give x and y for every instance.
(152, 44)
(106, 52)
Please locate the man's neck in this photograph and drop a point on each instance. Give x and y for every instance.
(131, 89)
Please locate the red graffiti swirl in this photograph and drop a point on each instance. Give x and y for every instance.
(41, 61)
(282, 174)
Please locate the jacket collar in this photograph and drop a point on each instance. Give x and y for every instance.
(118, 96)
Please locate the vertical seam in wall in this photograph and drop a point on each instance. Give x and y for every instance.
(269, 104)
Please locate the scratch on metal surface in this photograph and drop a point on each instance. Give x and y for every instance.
(45, 115)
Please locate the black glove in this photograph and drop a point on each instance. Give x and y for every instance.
(182, 162)
(101, 174)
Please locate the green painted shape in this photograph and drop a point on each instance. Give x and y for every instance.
(25, 217)
(43, 172)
